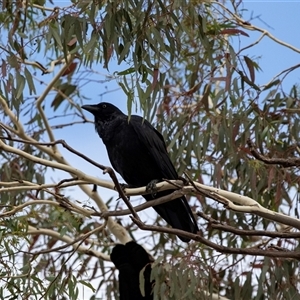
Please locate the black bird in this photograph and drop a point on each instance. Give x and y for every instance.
(130, 259)
(138, 152)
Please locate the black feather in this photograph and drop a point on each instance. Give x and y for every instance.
(130, 261)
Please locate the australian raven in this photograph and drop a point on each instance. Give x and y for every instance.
(138, 152)
(130, 259)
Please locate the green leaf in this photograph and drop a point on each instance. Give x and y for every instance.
(87, 284)
(142, 281)
(63, 231)
(55, 34)
(158, 38)
(126, 72)
(124, 52)
(66, 90)
(269, 85)
(29, 81)
(20, 84)
(250, 65)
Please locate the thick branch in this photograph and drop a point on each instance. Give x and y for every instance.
(246, 204)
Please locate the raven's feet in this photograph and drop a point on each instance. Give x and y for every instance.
(151, 187)
(123, 186)
(185, 181)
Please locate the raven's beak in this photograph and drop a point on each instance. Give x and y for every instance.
(93, 109)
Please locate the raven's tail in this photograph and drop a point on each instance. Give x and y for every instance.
(176, 213)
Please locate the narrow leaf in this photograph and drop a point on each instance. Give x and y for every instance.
(20, 84)
(250, 66)
(232, 31)
(29, 82)
(126, 72)
(269, 85)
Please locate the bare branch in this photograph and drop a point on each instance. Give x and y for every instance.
(86, 250)
(176, 194)
(246, 204)
(247, 25)
(269, 251)
(40, 100)
(224, 227)
(73, 243)
(284, 162)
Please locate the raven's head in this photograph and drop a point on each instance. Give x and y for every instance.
(103, 112)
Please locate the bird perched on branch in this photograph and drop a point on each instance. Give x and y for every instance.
(137, 151)
(130, 259)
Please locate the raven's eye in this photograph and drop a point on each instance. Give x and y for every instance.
(103, 105)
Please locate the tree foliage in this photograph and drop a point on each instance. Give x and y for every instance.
(236, 140)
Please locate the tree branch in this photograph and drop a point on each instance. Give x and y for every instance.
(284, 162)
(224, 227)
(86, 250)
(269, 252)
(40, 100)
(246, 204)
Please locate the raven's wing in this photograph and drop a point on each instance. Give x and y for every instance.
(154, 142)
(178, 212)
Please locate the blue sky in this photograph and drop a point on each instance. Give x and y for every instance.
(281, 20)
